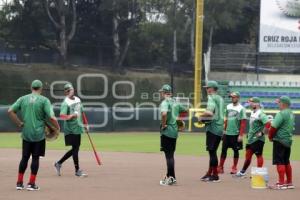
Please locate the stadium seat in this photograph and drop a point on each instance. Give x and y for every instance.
(293, 84)
(262, 84)
(268, 84)
(287, 84)
(2, 56)
(274, 83)
(250, 83)
(13, 57)
(237, 83)
(231, 83)
(243, 83)
(7, 57)
(256, 83)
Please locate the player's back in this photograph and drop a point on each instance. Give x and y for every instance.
(216, 105)
(34, 109)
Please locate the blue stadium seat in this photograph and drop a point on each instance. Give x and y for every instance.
(264, 94)
(7, 57)
(13, 57)
(245, 94)
(296, 94)
(2, 56)
(295, 106)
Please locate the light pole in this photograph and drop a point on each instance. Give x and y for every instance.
(198, 52)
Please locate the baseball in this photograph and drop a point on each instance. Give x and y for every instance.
(290, 8)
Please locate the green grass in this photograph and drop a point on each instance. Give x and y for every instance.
(188, 143)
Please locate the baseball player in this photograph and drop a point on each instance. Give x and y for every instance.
(281, 132)
(169, 110)
(75, 121)
(214, 129)
(35, 109)
(234, 125)
(258, 125)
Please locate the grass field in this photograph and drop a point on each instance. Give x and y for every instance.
(146, 142)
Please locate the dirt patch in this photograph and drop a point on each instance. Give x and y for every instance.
(133, 176)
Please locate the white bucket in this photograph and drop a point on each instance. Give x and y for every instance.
(259, 177)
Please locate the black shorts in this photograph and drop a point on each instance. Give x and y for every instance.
(281, 154)
(212, 141)
(167, 144)
(256, 147)
(231, 141)
(73, 140)
(33, 148)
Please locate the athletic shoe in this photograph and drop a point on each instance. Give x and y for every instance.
(240, 174)
(167, 181)
(214, 179)
(20, 186)
(57, 168)
(233, 170)
(172, 180)
(220, 170)
(205, 178)
(32, 187)
(164, 181)
(80, 173)
(290, 186)
(278, 186)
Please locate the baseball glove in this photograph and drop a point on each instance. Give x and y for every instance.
(51, 132)
(205, 120)
(180, 125)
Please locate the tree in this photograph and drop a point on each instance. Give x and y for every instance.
(62, 9)
(125, 18)
(21, 27)
(222, 15)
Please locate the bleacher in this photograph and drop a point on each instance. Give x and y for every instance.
(267, 91)
(8, 57)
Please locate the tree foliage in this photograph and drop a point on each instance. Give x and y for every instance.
(120, 33)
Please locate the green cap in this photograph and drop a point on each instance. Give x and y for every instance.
(234, 94)
(36, 84)
(254, 100)
(211, 84)
(165, 88)
(284, 99)
(68, 86)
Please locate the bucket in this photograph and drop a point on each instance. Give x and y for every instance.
(259, 177)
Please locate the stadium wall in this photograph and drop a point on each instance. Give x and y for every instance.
(135, 119)
(250, 76)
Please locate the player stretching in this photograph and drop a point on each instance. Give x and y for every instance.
(281, 133)
(71, 112)
(234, 126)
(258, 125)
(35, 110)
(169, 110)
(214, 129)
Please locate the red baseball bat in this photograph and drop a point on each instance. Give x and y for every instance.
(94, 149)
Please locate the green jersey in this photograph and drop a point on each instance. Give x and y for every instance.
(35, 110)
(234, 114)
(173, 109)
(69, 107)
(215, 105)
(257, 122)
(284, 122)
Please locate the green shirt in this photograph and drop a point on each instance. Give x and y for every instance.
(284, 122)
(173, 109)
(35, 110)
(257, 121)
(234, 114)
(215, 105)
(69, 107)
